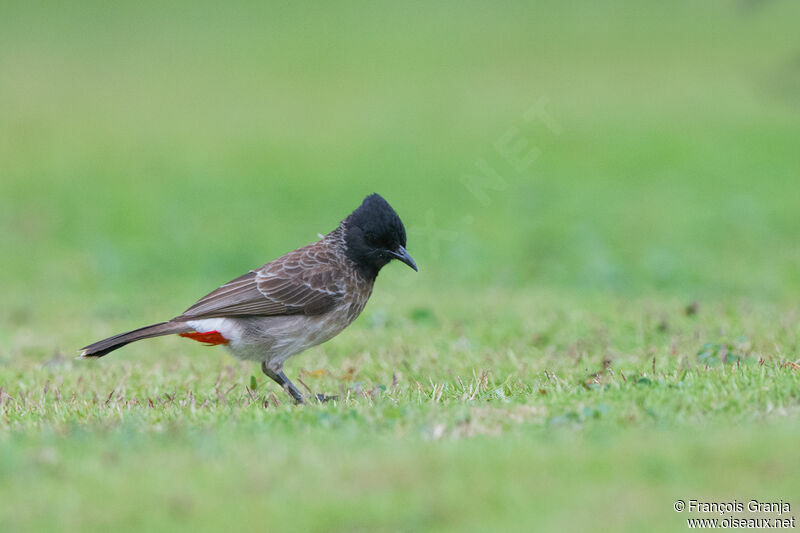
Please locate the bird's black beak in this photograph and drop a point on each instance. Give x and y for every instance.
(402, 255)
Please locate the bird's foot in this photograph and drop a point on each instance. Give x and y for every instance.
(322, 398)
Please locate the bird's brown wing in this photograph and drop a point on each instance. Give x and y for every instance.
(306, 281)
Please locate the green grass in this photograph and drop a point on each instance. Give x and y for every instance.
(536, 411)
(541, 371)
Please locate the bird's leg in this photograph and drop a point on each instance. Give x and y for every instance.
(280, 378)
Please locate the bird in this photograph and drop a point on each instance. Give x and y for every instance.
(299, 300)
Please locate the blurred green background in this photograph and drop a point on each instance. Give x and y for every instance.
(176, 146)
(572, 175)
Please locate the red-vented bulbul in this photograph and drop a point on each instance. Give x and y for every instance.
(297, 301)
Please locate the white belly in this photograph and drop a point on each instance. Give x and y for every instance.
(272, 339)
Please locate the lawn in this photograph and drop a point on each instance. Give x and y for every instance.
(602, 198)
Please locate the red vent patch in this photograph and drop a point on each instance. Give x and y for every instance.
(209, 338)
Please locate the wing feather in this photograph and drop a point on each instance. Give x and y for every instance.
(301, 282)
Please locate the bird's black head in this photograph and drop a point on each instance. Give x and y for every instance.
(374, 235)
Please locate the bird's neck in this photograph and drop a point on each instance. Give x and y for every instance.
(335, 239)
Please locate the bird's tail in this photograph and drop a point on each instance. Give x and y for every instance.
(101, 348)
